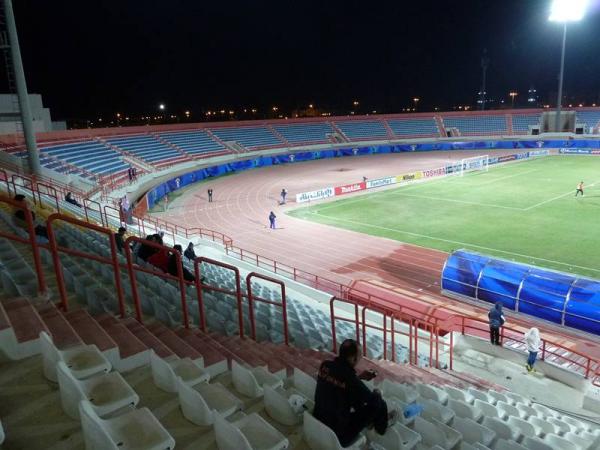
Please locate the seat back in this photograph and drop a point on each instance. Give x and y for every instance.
(228, 436)
(558, 442)
(51, 355)
(279, 408)
(504, 444)
(463, 409)
(544, 425)
(500, 427)
(430, 433)
(488, 409)
(94, 431)
(526, 428)
(244, 381)
(162, 373)
(305, 384)
(472, 432)
(193, 406)
(319, 436)
(432, 409)
(432, 393)
(458, 394)
(71, 391)
(400, 391)
(533, 443)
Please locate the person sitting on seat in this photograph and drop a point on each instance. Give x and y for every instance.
(343, 402)
(21, 221)
(189, 252)
(70, 199)
(119, 238)
(172, 265)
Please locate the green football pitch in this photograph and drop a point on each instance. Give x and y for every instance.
(524, 211)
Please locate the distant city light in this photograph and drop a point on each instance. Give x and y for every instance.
(568, 10)
(355, 103)
(187, 113)
(161, 106)
(310, 106)
(275, 108)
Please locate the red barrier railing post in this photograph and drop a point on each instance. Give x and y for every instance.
(60, 280)
(184, 310)
(364, 331)
(132, 279)
(384, 337)
(200, 295)
(251, 300)
(393, 338)
(451, 350)
(332, 315)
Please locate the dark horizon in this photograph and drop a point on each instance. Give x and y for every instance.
(95, 60)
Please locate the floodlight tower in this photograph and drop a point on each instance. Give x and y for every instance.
(485, 63)
(565, 11)
(21, 87)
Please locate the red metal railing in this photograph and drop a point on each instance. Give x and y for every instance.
(238, 290)
(55, 249)
(252, 299)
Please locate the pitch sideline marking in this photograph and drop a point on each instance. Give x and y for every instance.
(460, 201)
(455, 242)
(558, 197)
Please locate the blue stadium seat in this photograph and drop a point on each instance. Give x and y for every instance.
(477, 125)
(414, 127)
(590, 118)
(249, 137)
(363, 129)
(147, 148)
(304, 133)
(522, 122)
(194, 143)
(92, 156)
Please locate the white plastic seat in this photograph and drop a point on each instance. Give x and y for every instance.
(499, 397)
(526, 411)
(584, 440)
(477, 394)
(83, 361)
(401, 391)
(436, 433)
(517, 398)
(304, 384)
(556, 441)
(528, 429)
(576, 425)
(432, 393)
(165, 373)
(490, 410)
(544, 426)
(459, 394)
(502, 429)
(248, 433)
(250, 382)
(562, 426)
(397, 437)
(278, 406)
(503, 444)
(106, 392)
(433, 410)
(534, 443)
(465, 410)
(544, 411)
(319, 436)
(137, 429)
(509, 409)
(472, 432)
(199, 403)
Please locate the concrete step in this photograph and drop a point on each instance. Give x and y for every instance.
(149, 339)
(133, 352)
(215, 360)
(24, 319)
(63, 334)
(177, 345)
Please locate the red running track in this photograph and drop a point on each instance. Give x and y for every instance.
(242, 203)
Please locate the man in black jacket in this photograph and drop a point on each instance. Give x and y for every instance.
(343, 402)
(172, 267)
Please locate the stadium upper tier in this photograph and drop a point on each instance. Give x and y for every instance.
(98, 153)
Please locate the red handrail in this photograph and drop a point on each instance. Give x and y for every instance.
(251, 299)
(238, 289)
(55, 248)
(131, 267)
(87, 201)
(32, 240)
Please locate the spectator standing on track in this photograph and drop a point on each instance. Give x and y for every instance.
(130, 174)
(166, 202)
(579, 189)
(533, 340)
(343, 402)
(134, 173)
(69, 199)
(119, 238)
(272, 218)
(210, 193)
(283, 196)
(496, 317)
(189, 252)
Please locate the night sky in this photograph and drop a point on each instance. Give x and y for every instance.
(96, 57)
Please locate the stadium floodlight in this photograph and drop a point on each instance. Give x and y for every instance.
(565, 11)
(568, 10)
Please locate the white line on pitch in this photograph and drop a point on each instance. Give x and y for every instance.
(555, 198)
(464, 244)
(458, 201)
